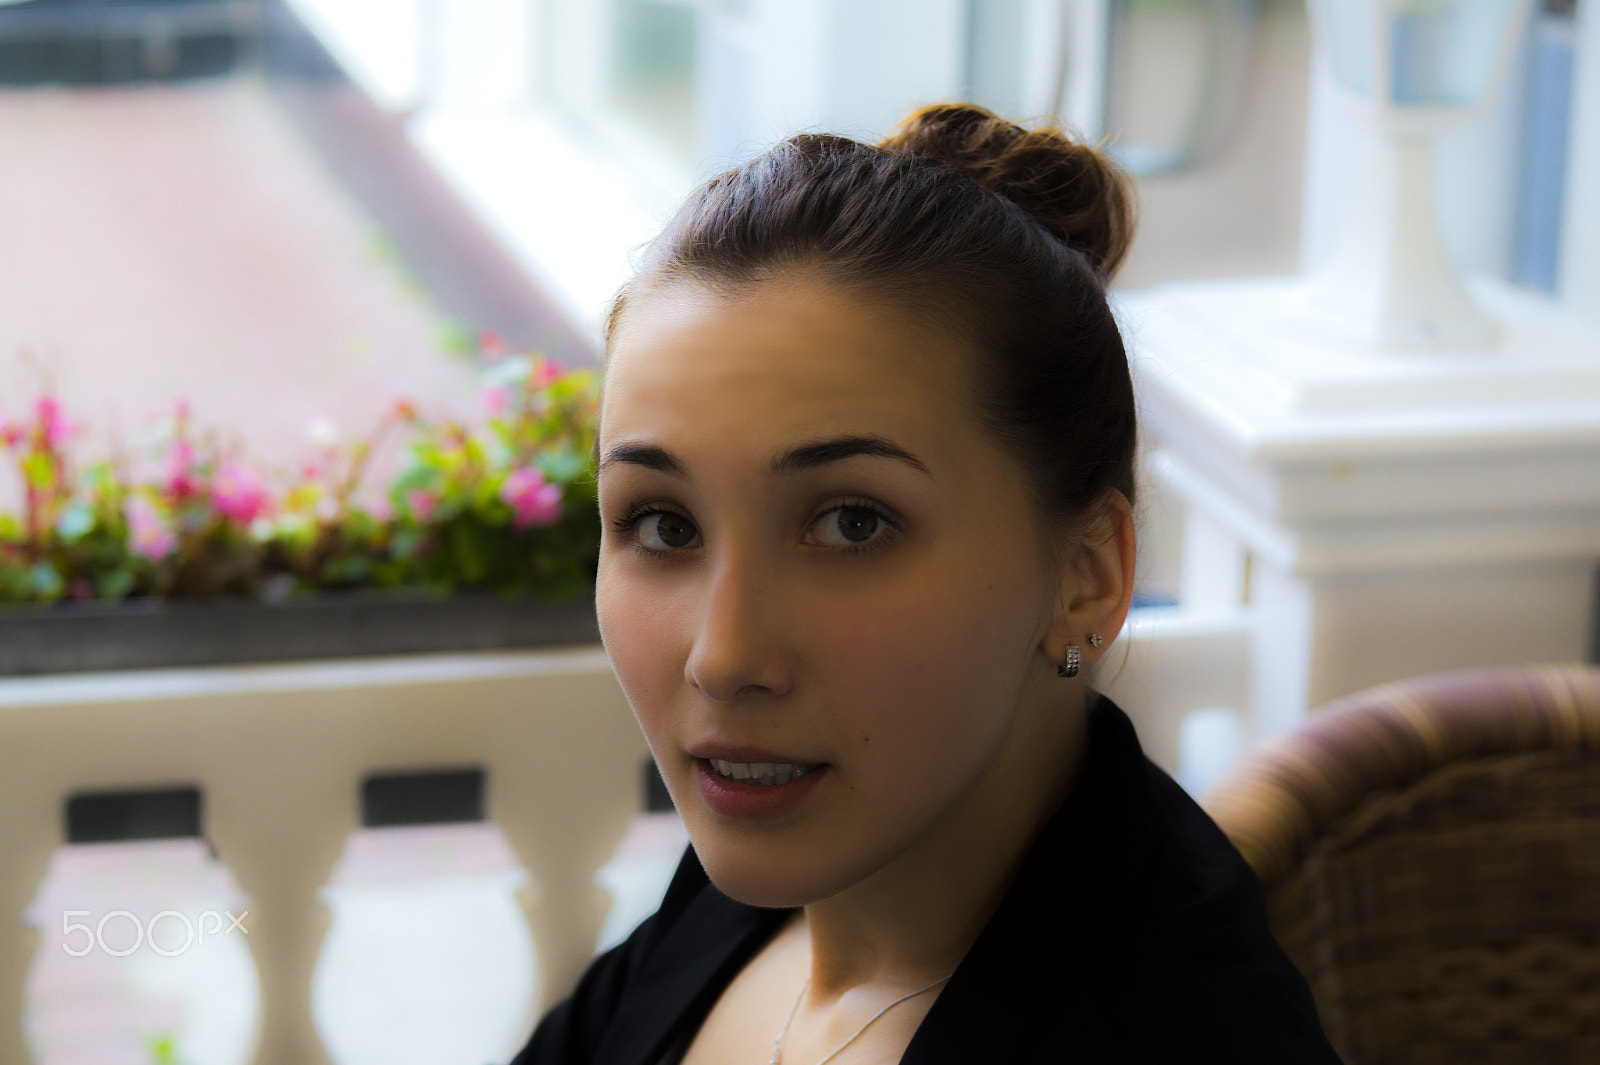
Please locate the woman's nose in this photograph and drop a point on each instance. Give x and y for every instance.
(738, 652)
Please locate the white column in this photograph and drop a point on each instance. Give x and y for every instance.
(1475, 171)
(1213, 572)
(1404, 512)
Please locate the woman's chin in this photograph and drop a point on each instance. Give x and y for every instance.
(780, 885)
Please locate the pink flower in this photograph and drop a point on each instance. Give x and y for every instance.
(496, 398)
(182, 482)
(545, 371)
(533, 500)
(421, 503)
(240, 494)
(51, 424)
(148, 535)
(11, 433)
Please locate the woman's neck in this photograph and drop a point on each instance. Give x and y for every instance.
(913, 920)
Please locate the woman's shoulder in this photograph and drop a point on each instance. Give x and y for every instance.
(1199, 975)
(1153, 928)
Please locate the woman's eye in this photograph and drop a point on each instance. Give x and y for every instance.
(662, 531)
(850, 526)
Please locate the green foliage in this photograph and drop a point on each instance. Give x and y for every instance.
(163, 1049)
(507, 505)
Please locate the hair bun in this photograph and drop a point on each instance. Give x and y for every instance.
(1073, 190)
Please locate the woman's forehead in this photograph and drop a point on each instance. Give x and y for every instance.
(777, 358)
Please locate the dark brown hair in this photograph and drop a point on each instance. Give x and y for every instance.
(1006, 234)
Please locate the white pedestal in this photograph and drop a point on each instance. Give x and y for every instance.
(1376, 514)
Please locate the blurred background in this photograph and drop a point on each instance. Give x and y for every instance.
(285, 210)
(288, 219)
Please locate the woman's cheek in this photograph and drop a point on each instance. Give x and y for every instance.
(934, 665)
(639, 638)
(892, 674)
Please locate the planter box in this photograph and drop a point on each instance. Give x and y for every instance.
(152, 634)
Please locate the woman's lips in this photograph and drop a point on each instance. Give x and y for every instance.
(751, 790)
(713, 749)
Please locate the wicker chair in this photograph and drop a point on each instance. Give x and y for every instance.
(1431, 856)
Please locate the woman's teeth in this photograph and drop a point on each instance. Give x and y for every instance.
(767, 774)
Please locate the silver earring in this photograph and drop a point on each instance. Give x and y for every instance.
(1095, 639)
(1069, 668)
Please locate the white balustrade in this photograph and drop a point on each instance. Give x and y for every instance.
(279, 753)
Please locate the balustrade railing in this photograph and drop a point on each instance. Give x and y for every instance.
(279, 753)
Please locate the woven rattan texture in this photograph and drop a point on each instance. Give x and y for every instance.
(1431, 853)
(1459, 921)
(1294, 789)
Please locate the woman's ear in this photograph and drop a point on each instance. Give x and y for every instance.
(1095, 588)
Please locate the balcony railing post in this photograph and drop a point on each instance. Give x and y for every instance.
(564, 825)
(279, 822)
(30, 820)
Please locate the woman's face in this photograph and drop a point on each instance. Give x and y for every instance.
(817, 569)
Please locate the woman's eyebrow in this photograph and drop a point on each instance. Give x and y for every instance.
(821, 453)
(804, 457)
(647, 455)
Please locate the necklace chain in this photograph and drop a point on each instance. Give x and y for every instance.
(777, 1044)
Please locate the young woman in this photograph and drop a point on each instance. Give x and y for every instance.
(866, 471)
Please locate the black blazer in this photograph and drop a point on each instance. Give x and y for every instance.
(1134, 932)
